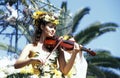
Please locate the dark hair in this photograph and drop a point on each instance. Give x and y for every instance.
(38, 30)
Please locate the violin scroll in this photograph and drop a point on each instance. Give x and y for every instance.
(89, 51)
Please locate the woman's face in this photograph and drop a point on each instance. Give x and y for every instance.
(49, 30)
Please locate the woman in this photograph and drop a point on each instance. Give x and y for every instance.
(44, 63)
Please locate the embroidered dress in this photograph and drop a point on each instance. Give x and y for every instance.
(48, 70)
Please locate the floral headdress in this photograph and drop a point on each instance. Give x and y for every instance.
(45, 16)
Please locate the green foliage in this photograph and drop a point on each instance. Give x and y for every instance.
(18, 75)
(93, 31)
(78, 17)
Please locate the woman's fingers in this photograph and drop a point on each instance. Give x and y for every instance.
(76, 47)
(38, 59)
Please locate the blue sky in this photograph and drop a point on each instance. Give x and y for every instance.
(103, 11)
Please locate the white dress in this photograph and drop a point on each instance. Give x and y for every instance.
(79, 69)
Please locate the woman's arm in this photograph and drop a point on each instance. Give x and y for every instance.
(23, 59)
(66, 67)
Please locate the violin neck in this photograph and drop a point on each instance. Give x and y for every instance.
(89, 51)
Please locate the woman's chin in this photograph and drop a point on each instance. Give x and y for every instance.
(50, 35)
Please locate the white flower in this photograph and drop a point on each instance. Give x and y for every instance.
(2, 75)
(47, 18)
(6, 67)
(46, 68)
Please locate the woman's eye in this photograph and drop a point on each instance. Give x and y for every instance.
(53, 27)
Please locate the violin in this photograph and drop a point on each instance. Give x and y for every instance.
(51, 42)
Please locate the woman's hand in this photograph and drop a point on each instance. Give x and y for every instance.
(76, 48)
(38, 59)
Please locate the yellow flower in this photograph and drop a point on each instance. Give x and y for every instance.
(33, 54)
(57, 73)
(69, 75)
(27, 69)
(38, 14)
(56, 22)
(31, 68)
(45, 16)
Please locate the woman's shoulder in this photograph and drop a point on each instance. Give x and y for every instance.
(30, 45)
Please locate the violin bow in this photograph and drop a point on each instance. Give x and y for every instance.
(54, 48)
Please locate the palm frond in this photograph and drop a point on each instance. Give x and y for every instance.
(94, 71)
(106, 62)
(24, 2)
(104, 59)
(1, 12)
(65, 20)
(25, 31)
(78, 16)
(64, 6)
(6, 47)
(93, 31)
(110, 74)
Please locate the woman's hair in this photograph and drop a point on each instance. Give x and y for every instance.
(38, 31)
(41, 18)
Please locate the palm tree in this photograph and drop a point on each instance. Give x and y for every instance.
(98, 64)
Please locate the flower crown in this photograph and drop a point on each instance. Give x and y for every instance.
(46, 17)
